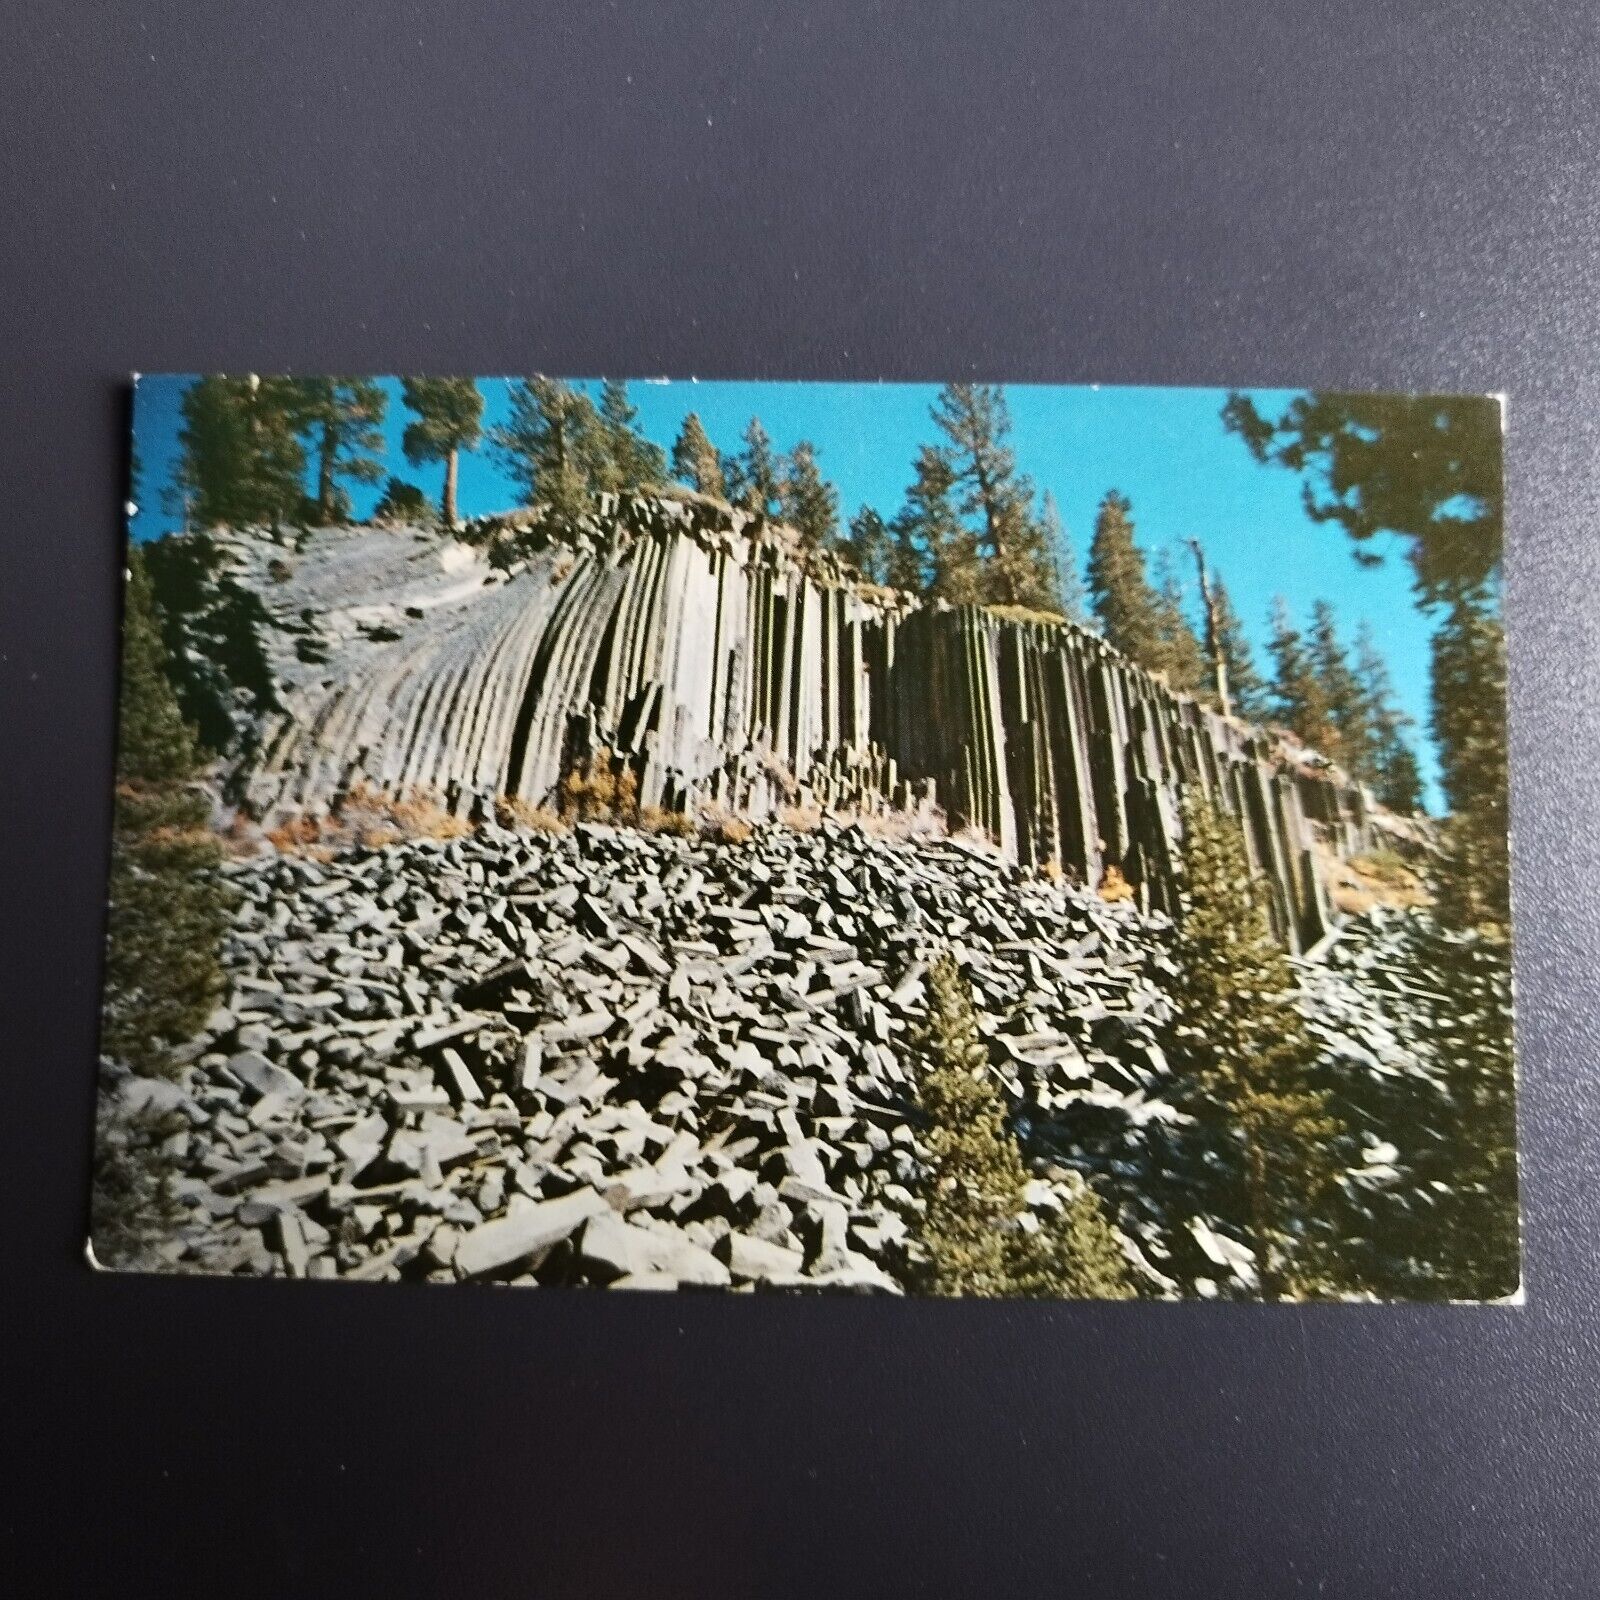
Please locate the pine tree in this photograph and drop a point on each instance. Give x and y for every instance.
(1181, 659)
(1066, 582)
(166, 907)
(402, 503)
(1122, 598)
(975, 1185)
(868, 545)
(344, 419)
(552, 446)
(1396, 778)
(753, 477)
(1012, 542)
(968, 1233)
(695, 460)
(167, 913)
(1075, 1255)
(1298, 701)
(1469, 718)
(1347, 709)
(242, 463)
(1246, 689)
(810, 504)
(1237, 1038)
(934, 553)
(449, 413)
(132, 1205)
(1479, 1243)
(629, 461)
(214, 630)
(1426, 467)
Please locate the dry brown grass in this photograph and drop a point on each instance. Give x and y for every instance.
(1051, 869)
(296, 833)
(365, 816)
(724, 827)
(1379, 879)
(627, 802)
(603, 788)
(420, 816)
(1015, 613)
(511, 811)
(677, 823)
(1113, 886)
(802, 819)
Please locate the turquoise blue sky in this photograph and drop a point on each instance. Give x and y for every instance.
(1164, 448)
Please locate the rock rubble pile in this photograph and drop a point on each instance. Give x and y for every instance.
(611, 1057)
(615, 1057)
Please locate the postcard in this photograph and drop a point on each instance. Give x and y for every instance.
(955, 839)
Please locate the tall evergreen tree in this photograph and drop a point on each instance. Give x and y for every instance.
(1347, 711)
(810, 504)
(1180, 658)
(1298, 701)
(552, 446)
(1469, 698)
(1239, 1042)
(344, 420)
(167, 914)
(1122, 597)
(1246, 688)
(868, 545)
(1066, 581)
(968, 1231)
(1427, 467)
(629, 461)
(402, 502)
(754, 476)
(1012, 542)
(166, 906)
(449, 413)
(1395, 777)
(214, 630)
(242, 462)
(695, 460)
(934, 552)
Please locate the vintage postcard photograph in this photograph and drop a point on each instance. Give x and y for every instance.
(949, 839)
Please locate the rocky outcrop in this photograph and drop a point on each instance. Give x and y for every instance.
(693, 643)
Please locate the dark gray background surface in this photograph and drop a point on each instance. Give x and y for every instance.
(1369, 195)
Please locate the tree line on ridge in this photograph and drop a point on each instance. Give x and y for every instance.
(972, 529)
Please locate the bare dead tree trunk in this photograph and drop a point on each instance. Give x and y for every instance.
(1208, 598)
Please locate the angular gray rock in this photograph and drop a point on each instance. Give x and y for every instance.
(521, 1238)
(614, 1249)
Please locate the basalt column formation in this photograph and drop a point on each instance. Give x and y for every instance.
(730, 673)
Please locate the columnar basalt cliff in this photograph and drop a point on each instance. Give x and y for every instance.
(697, 646)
